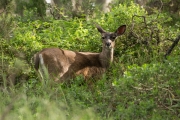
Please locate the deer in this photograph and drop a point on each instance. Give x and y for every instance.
(63, 65)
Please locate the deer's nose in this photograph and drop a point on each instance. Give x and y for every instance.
(108, 44)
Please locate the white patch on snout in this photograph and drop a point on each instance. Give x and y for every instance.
(108, 41)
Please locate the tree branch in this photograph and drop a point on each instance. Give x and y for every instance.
(172, 47)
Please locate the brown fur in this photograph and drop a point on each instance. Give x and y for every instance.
(89, 67)
(65, 64)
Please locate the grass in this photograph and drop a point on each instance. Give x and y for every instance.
(150, 91)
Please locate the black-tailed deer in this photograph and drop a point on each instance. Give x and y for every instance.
(65, 64)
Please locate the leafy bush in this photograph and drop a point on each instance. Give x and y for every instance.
(147, 37)
(19, 104)
(139, 85)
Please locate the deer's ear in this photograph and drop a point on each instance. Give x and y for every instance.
(100, 29)
(121, 30)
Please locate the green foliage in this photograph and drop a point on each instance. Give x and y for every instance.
(139, 85)
(65, 34)
(37, 7)
(43, 103)
(119, 15)
(152, 88)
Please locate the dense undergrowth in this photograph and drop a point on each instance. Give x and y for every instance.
(141, 84)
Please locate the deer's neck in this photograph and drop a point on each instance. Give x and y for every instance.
(106, 57)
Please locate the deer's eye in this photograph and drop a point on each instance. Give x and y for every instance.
(113, 37)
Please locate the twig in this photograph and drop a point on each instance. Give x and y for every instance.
(144, 20)
(172, 47)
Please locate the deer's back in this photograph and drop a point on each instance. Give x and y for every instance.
(65, 64)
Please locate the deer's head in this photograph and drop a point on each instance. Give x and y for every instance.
(108, 38)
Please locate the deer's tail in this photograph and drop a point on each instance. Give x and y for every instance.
(35, 61)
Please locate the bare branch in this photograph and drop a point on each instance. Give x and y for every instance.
(172, 47)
